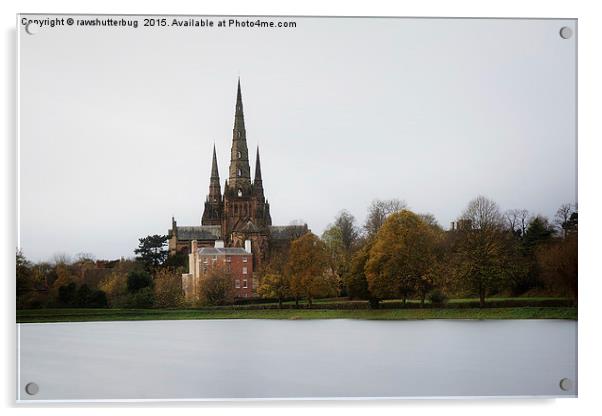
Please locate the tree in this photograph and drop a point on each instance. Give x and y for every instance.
(401, 256)
(67, 294)
(90, 298)
(138, 280)
(355, 279)
(177, 260)
(481, 258)
(378, 211)
(24, 274)
(538, 232)
(274, 286)
(64, 276)
(430, 219)
(559, 265)
(168, 288)
(307, 264)
(143, 298)
(275, 280)
(216, 287)
(562, 218)
(341, 239)
(152, 251)
(516, 221)
(115, 287)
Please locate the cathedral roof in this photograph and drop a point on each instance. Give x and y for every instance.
(287, 232)
(199, 232)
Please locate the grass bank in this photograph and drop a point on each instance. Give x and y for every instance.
(87, 315)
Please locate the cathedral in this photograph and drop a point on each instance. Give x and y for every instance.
(241, 213)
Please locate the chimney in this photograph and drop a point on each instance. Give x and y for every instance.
(248, 246)
(453, 226)
(219, 243)
(195, 246)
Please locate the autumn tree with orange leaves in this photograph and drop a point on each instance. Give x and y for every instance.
(402, 256)
(307, 265)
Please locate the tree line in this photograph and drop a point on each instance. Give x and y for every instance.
(151, 279)
(400, 254)
(395, 254)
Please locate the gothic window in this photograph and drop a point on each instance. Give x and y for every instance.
(239, 172)
(238, 155)
(240, 191)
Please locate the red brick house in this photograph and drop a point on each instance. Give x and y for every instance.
(237, 261)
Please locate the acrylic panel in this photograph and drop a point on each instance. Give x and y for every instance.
(286, 207)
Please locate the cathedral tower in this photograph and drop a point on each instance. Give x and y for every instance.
(239, 180)
(212, 215)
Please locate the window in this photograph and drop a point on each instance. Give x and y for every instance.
(244, 270)
(244, 284)
(228, 259)
(237, 284)
(204, 269)
(205, 260)
(239, 191)
(238, 154)
(239, 172)
(214, 258)
(244, 259)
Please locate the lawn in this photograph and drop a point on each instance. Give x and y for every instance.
(84, 315)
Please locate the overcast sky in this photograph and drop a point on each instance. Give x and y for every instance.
(117, 125)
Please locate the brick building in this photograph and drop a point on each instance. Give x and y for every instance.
(236, 261)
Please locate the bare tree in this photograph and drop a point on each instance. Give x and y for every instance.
(378, 211)
(511, 219)
(483, 214)
(524, 218)
(481, 259)
(61, 259)
(430, 220)
(517, 221)
(562, 217)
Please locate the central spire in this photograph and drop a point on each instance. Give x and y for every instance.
(240, 172)
(239, 118)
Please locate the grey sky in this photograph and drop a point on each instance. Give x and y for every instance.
(117, 125)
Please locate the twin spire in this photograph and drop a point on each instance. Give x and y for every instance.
(239, 172)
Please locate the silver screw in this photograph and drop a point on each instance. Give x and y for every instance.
(566, 32)
(32, 28)
(566, 384)
(32, 388)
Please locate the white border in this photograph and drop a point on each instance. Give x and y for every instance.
(590, 169)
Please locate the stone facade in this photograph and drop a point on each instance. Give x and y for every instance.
(241, 213)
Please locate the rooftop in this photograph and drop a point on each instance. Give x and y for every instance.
(199, 232)
(230, 251)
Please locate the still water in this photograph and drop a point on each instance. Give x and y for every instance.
(212, 359)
